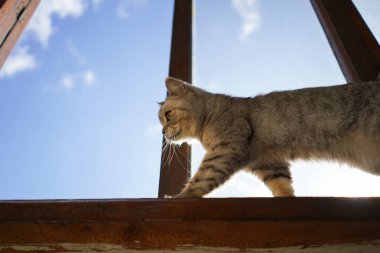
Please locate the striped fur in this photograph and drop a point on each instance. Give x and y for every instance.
(262, 134)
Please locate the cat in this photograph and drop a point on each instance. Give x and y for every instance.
(264, 133)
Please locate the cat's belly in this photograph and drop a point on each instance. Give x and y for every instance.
(361, 151)
(355, 149)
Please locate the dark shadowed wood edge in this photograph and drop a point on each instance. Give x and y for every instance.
(14, 16)
(354, 46)
(8, 17)
(176, 169)
(239, 223)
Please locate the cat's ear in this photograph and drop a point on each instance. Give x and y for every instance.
(175, 87)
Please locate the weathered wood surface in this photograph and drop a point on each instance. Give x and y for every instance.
(354, 46)
(176, 168)
(243, 223)
(14, 16)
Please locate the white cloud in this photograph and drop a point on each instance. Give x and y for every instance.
(88, 77)
(96, 3)
(125, 7)
(248, 11)
(68, 81)
(19, 61)
(41, 25)
(74, 52)
(71, 80)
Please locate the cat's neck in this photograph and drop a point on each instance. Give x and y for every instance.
(213, 107)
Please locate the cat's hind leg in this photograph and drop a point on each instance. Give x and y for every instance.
(277, 178)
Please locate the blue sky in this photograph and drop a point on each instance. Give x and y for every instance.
(78, 112)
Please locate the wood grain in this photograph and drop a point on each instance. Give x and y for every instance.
(14, 16)
(163, 223)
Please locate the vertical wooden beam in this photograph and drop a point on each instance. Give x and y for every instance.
(354, 46)
(176, 169)
(14, 16)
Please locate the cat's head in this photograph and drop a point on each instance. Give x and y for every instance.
(182, 112)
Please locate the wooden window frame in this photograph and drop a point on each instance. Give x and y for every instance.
(176, 161)
(240, 224)
(355, 48)
(14, 16)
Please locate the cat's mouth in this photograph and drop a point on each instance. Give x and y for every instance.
(173, 137)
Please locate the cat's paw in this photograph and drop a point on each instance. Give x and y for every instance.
(167, 196)
(186, 195)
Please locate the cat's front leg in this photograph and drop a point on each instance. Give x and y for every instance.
(214, 170)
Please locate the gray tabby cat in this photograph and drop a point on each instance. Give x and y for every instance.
(262, 134)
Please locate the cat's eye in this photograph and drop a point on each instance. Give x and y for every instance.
(168, 115)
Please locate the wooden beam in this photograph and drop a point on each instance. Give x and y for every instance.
(14, 16)
(157, 224)
(8, 17)
(354, 46)
(176, 162)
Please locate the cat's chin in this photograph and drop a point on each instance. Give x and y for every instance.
(180, 141)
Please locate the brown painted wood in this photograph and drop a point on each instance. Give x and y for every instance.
(14, 16)
(176, 168)
(354, 46)
(2, 2)
(170, 223)
(8, 17)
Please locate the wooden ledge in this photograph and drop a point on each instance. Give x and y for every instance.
(156, 224)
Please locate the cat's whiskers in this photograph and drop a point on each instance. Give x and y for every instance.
(165, 149)
(169, 156)
(172, 152)
(165, 145)
(179, 159)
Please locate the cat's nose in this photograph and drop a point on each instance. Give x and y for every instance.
(163, 130)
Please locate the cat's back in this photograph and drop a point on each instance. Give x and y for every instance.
(337, 122)
(335, 107)
(328, 110)
(359, 95)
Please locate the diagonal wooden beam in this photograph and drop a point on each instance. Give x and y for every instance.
(175, 169)
(14, 16)
(354, 46)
